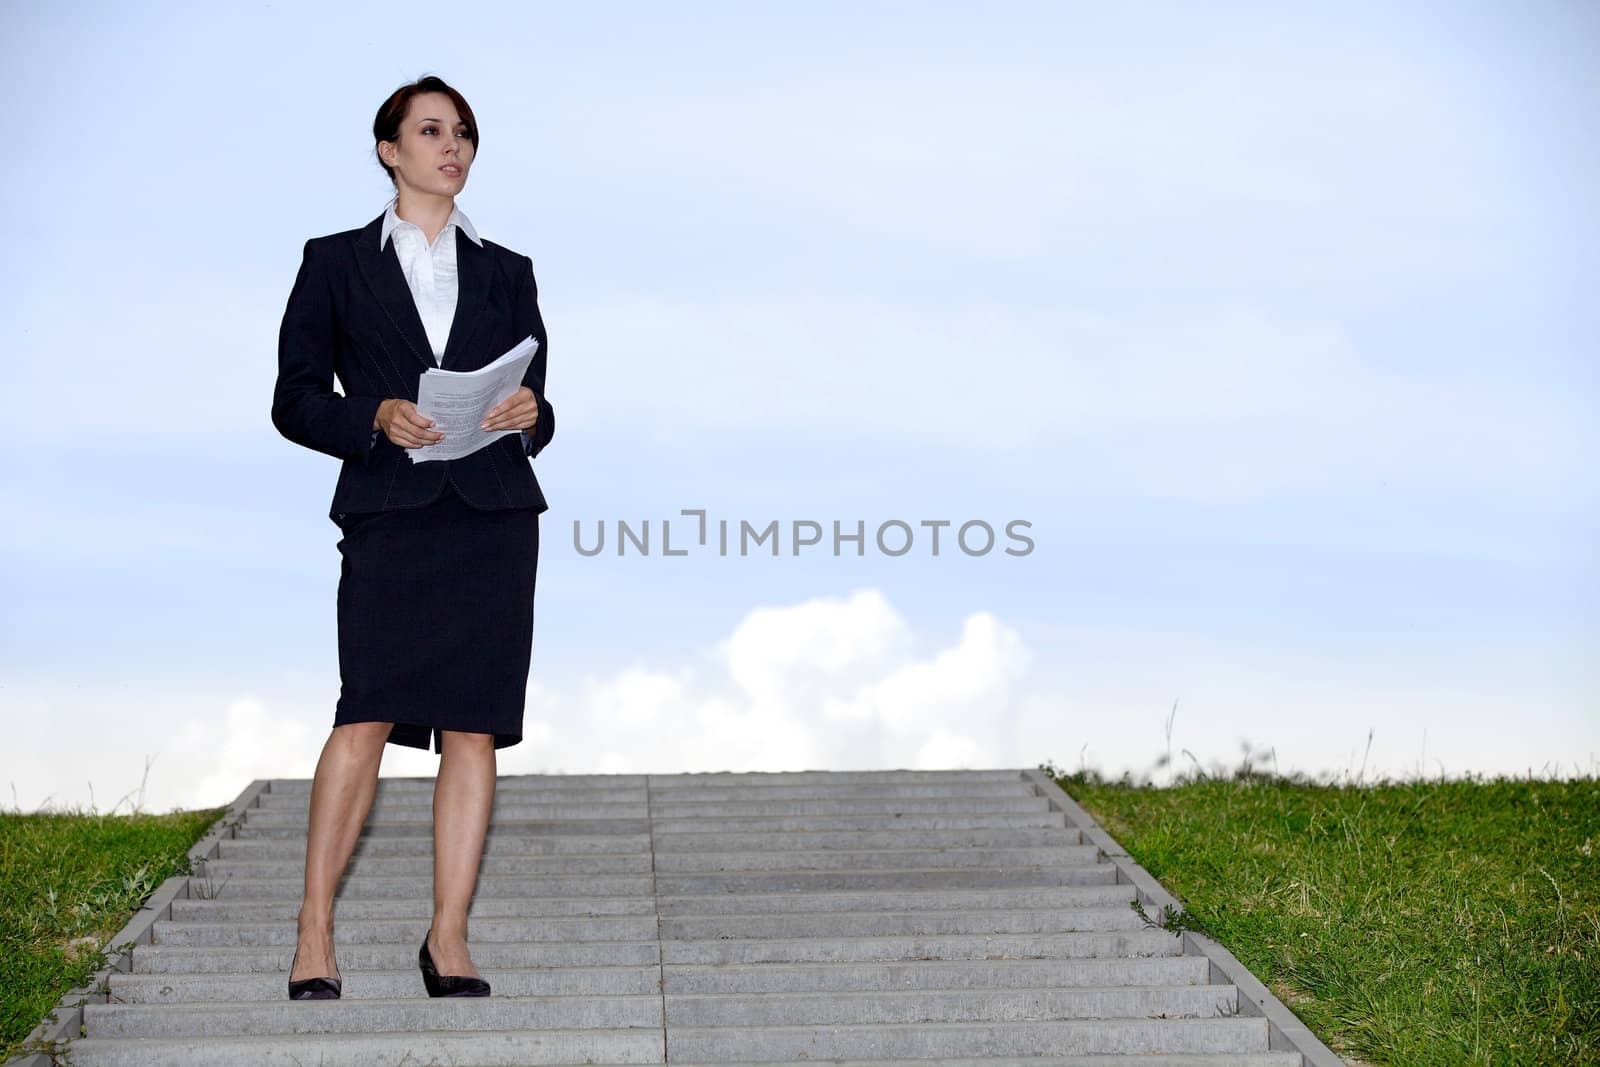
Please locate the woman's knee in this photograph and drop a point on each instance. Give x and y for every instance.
(364, 735)
(462, 741)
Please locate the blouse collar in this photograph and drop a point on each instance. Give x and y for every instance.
(391, 220)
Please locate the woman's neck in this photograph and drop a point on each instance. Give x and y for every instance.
(425, 211)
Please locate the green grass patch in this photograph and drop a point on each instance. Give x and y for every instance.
(71, 881)
(1414, 922)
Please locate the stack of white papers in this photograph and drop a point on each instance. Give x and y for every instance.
(457, 401)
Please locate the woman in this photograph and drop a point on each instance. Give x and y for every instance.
(435, 601)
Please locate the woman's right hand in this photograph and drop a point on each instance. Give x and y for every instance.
(402, 424)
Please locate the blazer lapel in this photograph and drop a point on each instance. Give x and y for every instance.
(472, 274)
(384, 276)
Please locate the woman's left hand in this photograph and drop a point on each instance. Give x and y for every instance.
(519, 411)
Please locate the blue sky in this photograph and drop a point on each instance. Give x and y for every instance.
(1276, 325)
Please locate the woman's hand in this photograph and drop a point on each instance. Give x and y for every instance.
(401, 423)
(519, 411)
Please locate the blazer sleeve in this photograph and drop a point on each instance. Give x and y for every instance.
(305, 409)
(529, 322)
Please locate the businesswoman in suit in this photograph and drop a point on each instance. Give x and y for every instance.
(435, 601)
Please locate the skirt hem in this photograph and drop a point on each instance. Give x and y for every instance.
(427, 736)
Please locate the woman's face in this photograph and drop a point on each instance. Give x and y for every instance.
(433, 138)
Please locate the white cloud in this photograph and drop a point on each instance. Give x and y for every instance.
(829, 682)
(962, 684)
(786, 655)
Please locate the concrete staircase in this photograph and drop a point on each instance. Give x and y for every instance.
(893, 917)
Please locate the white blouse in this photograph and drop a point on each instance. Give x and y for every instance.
(430, 271)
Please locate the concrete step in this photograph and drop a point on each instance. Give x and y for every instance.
(422, 866)
(587, 816)
(687, 809)
(524, 1048)
(669, 862)
(497, 843)
(356, 959)
(740, 1011)
(691, 781)
(700, 904)
(288, 910)
(724, 824)
(950, 1006)
(369, 985)
(692, 862)
(908, 878)
(682, 809)
(969, 974)
(231, 959)
(224, 911)
(608, 844)
(1246, 1059)
(427, 1048)
(939, 1041)
(892, 923)
(378, 1015)
(385, 931)
(360, 886)
(541, 793)
(920, 947)
(522, 885)
(905, 898)
(746, 822)
(712, 780)
(684, 928)
(762, 978)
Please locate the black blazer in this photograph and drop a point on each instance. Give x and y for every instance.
(351, 314)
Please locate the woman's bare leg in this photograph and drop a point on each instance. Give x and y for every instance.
(463, 796)
(341, 796)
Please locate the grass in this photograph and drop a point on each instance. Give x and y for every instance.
(1406, 922)
(72, 879)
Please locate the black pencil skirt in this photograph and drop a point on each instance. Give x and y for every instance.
(436, 619)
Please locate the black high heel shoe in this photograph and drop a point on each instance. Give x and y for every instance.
(314, 988)
(447, 985)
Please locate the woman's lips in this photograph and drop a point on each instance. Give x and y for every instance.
(451, 169)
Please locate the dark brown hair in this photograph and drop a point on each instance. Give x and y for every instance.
(386, 127)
